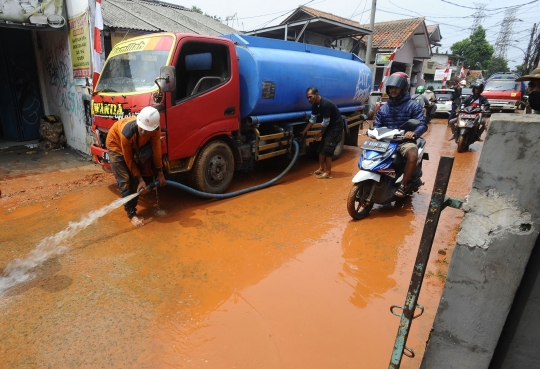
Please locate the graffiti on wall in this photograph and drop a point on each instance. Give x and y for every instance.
(64, 93)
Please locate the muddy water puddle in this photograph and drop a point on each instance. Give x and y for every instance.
(279, 278)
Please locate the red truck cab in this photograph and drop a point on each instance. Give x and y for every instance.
(204, 102)
(503, 92)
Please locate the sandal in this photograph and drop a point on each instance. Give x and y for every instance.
(324, 176)
(401, 191)
(316, 172)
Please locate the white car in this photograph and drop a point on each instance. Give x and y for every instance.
(444, 100)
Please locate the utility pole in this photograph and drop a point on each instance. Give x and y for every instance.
(370, 40)
(527, 65)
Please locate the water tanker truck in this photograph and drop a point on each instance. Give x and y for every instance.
(225, 102)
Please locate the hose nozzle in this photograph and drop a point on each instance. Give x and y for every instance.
(152, 185)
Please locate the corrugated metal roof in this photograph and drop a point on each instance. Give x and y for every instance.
(155, 16)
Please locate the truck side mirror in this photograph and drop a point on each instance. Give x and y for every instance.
(167, 78)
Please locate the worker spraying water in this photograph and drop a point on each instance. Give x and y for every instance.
(131, 142)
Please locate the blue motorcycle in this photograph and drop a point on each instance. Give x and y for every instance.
(381, 170)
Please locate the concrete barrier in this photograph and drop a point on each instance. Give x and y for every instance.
(498, 233)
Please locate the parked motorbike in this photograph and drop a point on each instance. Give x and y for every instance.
(471, 122)
(381, 170)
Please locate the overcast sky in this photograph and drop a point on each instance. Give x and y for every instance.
(453, 16)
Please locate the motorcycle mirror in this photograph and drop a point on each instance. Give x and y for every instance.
(412, 123)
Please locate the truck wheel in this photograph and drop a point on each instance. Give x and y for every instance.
(339, 148)
(214, 168)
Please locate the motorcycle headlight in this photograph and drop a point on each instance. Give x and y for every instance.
(463, 123)
(371, 160)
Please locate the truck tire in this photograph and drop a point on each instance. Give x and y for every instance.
(339, 147)
(214, 168)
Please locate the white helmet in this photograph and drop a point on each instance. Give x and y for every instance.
(463, 83)
(148, 118)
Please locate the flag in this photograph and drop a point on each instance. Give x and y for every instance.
(462, 72)
(98, 50)
(387, 70)
(446, 71)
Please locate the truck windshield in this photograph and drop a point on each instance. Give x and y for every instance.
(501, 85)
(132, 71)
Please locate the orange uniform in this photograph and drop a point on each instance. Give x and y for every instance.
(122, 139)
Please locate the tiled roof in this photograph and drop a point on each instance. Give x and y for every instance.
(392, 34)
(318, 13)
(159, 16)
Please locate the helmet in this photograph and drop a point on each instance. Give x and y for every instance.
(463, 83)
(399, 80)
(420, 89)
(148, 118)
(535, 74)
(479, 87)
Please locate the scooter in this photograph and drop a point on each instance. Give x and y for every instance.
(470, 123)
(381, 170)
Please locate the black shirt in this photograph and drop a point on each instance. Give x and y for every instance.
(327, 109)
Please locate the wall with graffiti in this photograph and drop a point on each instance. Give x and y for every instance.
(66, 97)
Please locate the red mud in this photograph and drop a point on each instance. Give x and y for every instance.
(278, 278)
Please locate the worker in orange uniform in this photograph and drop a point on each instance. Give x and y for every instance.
(131, 142)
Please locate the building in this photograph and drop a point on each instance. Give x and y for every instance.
(410, 40)
(46, 57)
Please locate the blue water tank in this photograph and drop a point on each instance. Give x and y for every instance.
(275, 74)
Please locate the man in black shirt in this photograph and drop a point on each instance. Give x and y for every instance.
(331, 131)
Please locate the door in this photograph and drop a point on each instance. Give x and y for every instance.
(20, 97)
(207, 96)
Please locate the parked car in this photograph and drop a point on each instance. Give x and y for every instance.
(465, 92)
(444, 100)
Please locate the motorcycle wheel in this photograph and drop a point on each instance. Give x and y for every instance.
(356, 204)
(461, 145)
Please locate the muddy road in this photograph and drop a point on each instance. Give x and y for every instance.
(278, 278)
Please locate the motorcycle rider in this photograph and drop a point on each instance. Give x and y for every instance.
(422, 100)
(431, 108)
(456, 98)
(394, 115)
(477, 100)
(533, 91)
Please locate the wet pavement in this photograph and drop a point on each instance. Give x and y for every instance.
(278, 278)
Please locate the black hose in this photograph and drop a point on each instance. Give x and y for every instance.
(240, 192)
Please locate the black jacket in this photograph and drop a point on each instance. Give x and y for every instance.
(483, 100)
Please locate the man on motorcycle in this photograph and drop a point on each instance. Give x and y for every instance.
(533, 91)
(394, 115)
(477, 100)
(431, 108)
(456, 98)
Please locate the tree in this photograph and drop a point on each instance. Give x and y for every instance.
(518, 69)
(475, 49)
(497, 64)
(196, 9)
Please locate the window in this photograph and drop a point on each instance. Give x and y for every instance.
(201, 67)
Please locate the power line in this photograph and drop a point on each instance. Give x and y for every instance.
(490, 10)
